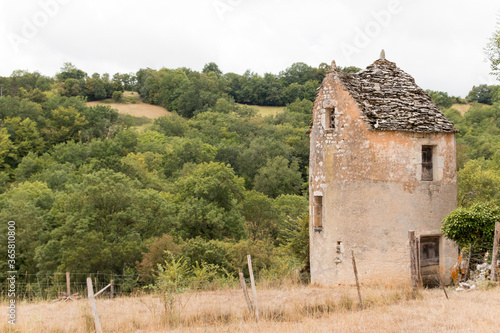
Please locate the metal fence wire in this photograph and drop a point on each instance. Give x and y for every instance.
(31, 287)
(51, 286)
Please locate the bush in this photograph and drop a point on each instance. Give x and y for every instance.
(156, 254)
(472, 225)
(117, 96)
(262, 252)
(212, 252)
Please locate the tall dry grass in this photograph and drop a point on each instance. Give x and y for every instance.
(290, 308)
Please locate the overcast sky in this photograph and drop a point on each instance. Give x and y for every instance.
(439, 42)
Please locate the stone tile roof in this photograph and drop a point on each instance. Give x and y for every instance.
(391, 101)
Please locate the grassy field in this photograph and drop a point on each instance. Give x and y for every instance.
(290, 308)
(265, 111)
(135, 109)
(462, 108)
(134, 106)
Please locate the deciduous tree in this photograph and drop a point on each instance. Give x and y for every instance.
(493, 53)
(208, 197)
(277, 177)
(471, 225)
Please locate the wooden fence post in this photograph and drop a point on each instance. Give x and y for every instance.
(90, 290)
(68, 284)
(467, 271)
(494, 257)
(357, 280)
(245, 291)
(102, 290)
(441, 284)
(413, 259)
(112, 289)
(296, 277)
(420, 281)
(29, 285)
(256, 304)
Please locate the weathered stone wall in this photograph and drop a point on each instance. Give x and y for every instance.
(372, 192)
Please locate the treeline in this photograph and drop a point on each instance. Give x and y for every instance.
(188, 92)
(182, 90)
(485, 94)
(69, 82)
(443, 100)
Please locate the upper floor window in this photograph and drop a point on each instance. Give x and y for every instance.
(330, 121)
(427, 166)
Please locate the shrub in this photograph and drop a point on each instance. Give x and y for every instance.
(156, 254)
(117, 96)
(473, 225)
(212, 252)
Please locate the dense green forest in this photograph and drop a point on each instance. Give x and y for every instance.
(90, 192)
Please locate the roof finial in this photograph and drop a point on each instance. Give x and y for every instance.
(333, 66)
(382, 54)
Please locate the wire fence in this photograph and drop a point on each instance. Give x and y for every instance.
(476, 262)
(34, 287)
(50, 286)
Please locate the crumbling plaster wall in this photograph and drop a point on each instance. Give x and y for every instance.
(372, 192)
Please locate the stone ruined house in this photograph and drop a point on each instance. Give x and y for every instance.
(382, 163)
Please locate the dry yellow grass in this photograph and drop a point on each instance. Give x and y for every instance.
(289, 309)
(462, 108)
(132, 94)
(138, 109)
(266, 111)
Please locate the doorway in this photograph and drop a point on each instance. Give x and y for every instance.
(429, 260)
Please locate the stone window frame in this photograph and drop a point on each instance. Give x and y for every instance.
(329, 107)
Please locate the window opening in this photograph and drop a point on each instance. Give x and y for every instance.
(331, 118)
(429, 251)
(427, 167)
(318, 211)
(429, 261)
(340, 247)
